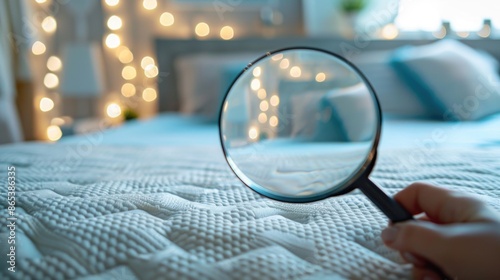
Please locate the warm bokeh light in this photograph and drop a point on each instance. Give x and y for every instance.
(38, 48)
(149, 4)
(275, 100)
(125, 55)
(253, 133)
(463, 34)
(285, 63)
(128, 90)
(49, 24)
(441, 33)
(167, 19)
(262, 118)
(262, 93)
(202, 29)
(295, 71)
(54, 63)
(129, 73)
(112, 3)
(151, 71)
(273, 121)
(50, 80)
(390, 31)
(255, 84)
(114, 22)
(41, 1)
(149, 94)
(264, 105)
(57, 121)
(147, 60)
(227, 33)
(485, 32)
(257, 71)
(277, 57)
(320, 77)
(54, 133)
(113, 41)
(113, 110)
(46, 104)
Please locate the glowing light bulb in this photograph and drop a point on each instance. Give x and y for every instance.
(49, 24)
(295, 71)
(149, 94)
(390, 32)
(125, 55)
(151, 71)
(38, 48)
(114, 22)
(264, 105)
(129, 73)
(113, 41)
(253, 133)
(112, 3)
(128, 90)
(227, 33)
(262, 118)
(202, 29)
(46, 104)
(50, 80)
(285, 63)
(54, 133)
(255, 84)
(113, 110)
(257, 71)
(275, 100)
(273, 121)
(262, 93)
(167, 19)
(54, 63)
(149, 4)
(320, 77)
(147, 60)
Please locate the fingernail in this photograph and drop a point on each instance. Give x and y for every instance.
(412, 259)
(389, 234)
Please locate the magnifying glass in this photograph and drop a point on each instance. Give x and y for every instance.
(303, 124)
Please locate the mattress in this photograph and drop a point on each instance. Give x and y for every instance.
(165, 205)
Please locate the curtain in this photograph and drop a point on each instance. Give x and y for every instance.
(14, 44)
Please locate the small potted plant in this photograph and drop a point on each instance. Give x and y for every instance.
(351, 10)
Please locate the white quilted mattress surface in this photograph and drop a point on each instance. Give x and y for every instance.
(150, 212)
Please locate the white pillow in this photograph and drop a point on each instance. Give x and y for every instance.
(454, 80)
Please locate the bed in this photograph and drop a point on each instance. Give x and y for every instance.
(156, 199)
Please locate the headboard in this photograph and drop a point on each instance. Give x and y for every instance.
(167, 50)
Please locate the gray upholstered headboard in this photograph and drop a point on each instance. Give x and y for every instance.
(167, 50)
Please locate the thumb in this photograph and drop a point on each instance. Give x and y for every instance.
(421, 238)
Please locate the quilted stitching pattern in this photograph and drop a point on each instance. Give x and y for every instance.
(152, 213)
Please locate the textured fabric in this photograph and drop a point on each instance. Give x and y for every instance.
(100, 212)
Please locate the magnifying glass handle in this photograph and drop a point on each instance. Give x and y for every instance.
(391, 208)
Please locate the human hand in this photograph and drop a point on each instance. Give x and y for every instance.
(458, 234)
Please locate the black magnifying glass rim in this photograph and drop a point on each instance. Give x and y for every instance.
(348, 184)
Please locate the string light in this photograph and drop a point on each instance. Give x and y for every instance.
(129, 73)
(273, 121)
(262, 93)
(227, 33)
(113, 110)
(255, 84)
(46, 104)
(38, 48)
(253, 133)
(54, 133)
(295, 71)
(285, 63)
(151, 71)
(264, 105)
(113, 41)
(50, 80)
(277, 57)
(275, 100)
(149, 4)
(146, 61)
(112, 3)
(54, 63)
(49, 24)
(125, 55)
(128, 90)
(257, 71)
(202, 29)
(262, 118)
(149, 94)
(114, 22)
(167, 19)
(320, 77)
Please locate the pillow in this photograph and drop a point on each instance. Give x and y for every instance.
(453, 80)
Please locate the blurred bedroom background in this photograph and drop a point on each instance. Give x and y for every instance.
(70, 66)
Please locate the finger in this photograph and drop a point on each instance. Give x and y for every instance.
(413, 259)
(440, 205)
